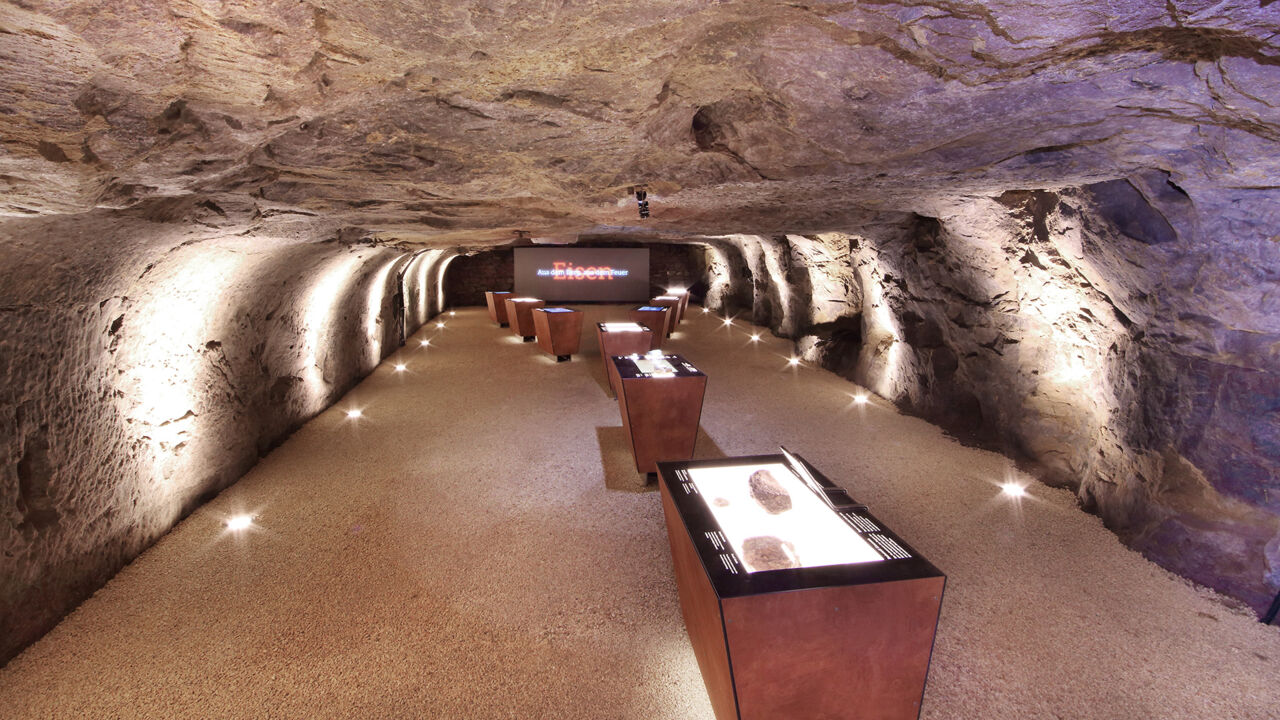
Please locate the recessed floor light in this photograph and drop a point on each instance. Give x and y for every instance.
(400, 367)
(728, 322)
(439, 324)
(861, 399)
(239, 522)
(755, 337)
(452, 313)
(424, 343)
(1013, 489)
(793, 361)
(354, 413)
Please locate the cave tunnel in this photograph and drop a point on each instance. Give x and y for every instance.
(1006, 275)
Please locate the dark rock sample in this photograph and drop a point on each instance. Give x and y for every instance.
(767, 491)
(766, 552)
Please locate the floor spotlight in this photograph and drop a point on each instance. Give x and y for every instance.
(861, 399)
(755, 337)
(728, 322)
(236, 523)
(424, 343)
(1013, 490)
(400, 367)
(354, 414)
(794, 361)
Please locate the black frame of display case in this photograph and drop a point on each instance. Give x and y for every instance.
(728, 574)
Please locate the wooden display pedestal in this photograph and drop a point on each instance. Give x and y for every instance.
(684, 304)
(654, 317)
(520, 316)
(660, 411)
(850, 640)
(672, 303)
(559, 331)
(617, 338)
(497, 302)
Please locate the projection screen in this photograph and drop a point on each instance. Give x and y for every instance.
(577, 274)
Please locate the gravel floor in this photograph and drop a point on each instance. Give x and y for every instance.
(478, 545)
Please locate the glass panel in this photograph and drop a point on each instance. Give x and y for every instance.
(654, 366)
(774, 521)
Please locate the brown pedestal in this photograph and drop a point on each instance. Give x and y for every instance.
(497, 302)
(653, 317)
(672, 303)
(684, 304)
(520, 316)
(559, 331)
(831, 641)
(619, 341)
(660, 414)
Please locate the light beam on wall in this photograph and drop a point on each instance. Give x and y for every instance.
(374, 329)
(444, 265)
(165, 356)
(320, 304)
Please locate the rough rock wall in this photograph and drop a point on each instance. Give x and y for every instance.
(1121, 336)
(136, 384)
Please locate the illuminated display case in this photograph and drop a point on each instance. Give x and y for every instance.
(660, 398)
(684, 304)
(621, 338)
(653, 317)
(520, 316)
(798, 601)
(672, 303)
(497, 302)
(559, 331)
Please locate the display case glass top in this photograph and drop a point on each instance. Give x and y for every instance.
(651, 308)
(654, 365)
(523, 299)
(772, 523)
(621, 327)
(554, 310)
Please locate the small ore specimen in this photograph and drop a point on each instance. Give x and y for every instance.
(767, 491)
(766, 552)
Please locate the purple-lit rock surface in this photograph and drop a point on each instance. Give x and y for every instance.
(1047, 225)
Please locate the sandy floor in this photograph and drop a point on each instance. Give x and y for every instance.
(476, 546)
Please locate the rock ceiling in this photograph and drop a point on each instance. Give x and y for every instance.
(447, 122)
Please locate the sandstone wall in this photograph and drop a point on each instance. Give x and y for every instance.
(136, 384)
(1121, 336)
